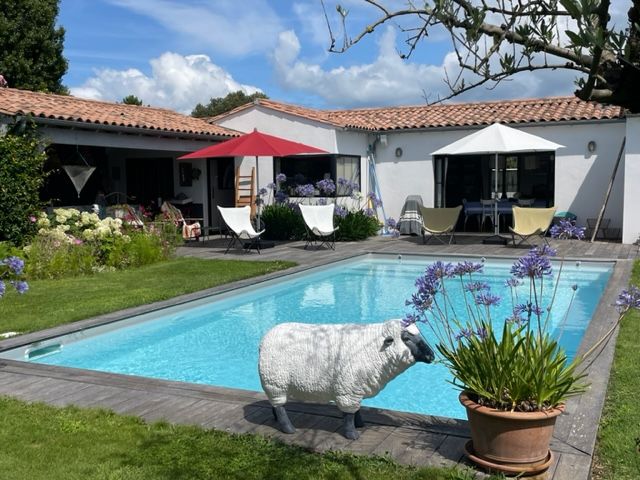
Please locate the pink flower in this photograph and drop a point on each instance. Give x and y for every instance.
(77, 241)
(33, 219)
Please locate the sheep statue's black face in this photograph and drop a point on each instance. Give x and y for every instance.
(338, 363)
(415, 342)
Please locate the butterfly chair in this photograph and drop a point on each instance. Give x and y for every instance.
(440, 222)
(531, 222)
(238, 219)
(318, 221)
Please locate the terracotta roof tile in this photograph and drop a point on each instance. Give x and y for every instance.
(63, 107)
(451, 115)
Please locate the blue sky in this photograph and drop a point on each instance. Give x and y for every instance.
(176, 53)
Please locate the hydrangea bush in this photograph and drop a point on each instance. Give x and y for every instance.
(70, 242)
(519, 366)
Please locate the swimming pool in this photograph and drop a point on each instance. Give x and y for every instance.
(215, 340)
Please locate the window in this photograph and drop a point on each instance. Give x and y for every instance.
(310, 169)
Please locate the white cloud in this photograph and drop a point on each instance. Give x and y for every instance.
(227, 27)
(177, 82)
(389, 80)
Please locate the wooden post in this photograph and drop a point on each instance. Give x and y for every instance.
(606, 196)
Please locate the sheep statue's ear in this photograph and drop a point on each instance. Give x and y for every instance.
(388, 341)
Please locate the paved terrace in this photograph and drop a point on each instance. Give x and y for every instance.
(408, 438)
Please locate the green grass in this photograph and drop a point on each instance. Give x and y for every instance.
(618, 447)
(42, 442)
(54, 302)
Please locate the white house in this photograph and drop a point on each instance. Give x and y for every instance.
(398, 142)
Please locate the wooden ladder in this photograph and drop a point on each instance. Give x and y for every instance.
(245, 190)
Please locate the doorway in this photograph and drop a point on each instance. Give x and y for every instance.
(221, 187)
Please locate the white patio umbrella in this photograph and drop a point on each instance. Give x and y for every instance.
(498, 139)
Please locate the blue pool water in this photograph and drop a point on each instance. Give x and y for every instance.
(215, 341)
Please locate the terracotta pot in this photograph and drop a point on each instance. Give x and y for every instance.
(510, 442)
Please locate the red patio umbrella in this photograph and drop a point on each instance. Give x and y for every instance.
(253, 144)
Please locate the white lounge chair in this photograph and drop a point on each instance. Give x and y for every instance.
(242, 232)
(318, 220)
(439, 222)
(531, 222)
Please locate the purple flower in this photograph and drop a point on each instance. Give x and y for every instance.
(340, 211)
(439, 270)
(528, 309)
(369, 212)
(567, 229)
(476, 286)
(466, 268)
(409, 319)
(391, 223)
(534, 265)
(262, 191)
(280, 197)
(516, 318)
(464, 333)
(482, 333)
(395, 233)
(20, 286)
(15, 264)
(322, 201)
(307, 190)
(628, 299)
(487, 299)
(326, 186)
(513, 282)
(342, 181)
(375, 201)
(281, 177)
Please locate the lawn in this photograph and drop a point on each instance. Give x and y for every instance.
(43, 442)
(618, 447)
(54, 302)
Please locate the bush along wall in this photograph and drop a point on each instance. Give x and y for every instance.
(21, 178)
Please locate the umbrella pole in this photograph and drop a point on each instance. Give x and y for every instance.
(495, 239)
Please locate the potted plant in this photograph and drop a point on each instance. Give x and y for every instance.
(514, 379)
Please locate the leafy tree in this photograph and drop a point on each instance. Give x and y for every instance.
(494, 39)
(22, 159)
(219, 105)
(132, 100)
(31, 45)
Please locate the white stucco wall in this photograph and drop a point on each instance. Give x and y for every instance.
(582, 177)
(631, 167)
(283, 125)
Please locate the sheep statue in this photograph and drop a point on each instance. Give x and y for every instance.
(341, 363)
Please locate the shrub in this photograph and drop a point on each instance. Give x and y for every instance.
(356, 226)
(21, 177)
(283, 222)
(71, 243)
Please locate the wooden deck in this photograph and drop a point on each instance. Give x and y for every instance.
(408, 438)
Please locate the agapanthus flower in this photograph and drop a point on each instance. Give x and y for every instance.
(466, 267)
(369, 212)
(281, 177)
(391, 223)
(476, 286)
(487, 299)
(464, 333)
(528, 309)
(280, 197)
(513, 282)
(439, 270)
(409, 319)
(516, 318)
(262, 191)
(482, 333)
(534, 265)
(326, 186)
(322, 201)
(567, 229)
(340, 211)
(306, 190)
(629, 298)
(375, 201)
